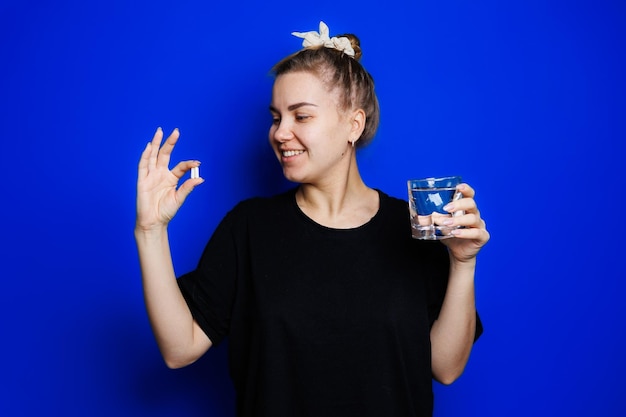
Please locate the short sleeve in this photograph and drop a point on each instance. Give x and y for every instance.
(210, 289)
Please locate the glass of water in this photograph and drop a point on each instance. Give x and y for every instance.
(427, 197)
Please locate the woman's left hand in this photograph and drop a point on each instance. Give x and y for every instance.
(473, 235)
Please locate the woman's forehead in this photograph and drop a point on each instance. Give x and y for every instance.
(296, 87)
(298, 80)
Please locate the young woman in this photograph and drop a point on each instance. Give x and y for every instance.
(330, 307)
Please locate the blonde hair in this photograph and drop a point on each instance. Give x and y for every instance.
(340, 72)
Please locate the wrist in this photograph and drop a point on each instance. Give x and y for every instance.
(463, 264)
(150, 232)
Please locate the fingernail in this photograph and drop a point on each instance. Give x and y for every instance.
(449, 207)
(448, 222)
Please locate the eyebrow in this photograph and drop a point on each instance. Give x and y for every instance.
(293, 106)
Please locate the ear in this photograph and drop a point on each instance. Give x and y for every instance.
(357, 122)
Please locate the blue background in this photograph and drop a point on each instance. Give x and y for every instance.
(525, 99)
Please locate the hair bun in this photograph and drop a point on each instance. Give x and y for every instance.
(355, 43)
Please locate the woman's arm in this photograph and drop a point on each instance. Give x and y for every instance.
(179, 337)
(453, 333)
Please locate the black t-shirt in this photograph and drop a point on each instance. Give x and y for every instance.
(321, 322)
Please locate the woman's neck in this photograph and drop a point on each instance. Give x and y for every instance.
(339, 204)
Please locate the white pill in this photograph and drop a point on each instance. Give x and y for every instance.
(195, 172)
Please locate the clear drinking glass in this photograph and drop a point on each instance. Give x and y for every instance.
(427, 197)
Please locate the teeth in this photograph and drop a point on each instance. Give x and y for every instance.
(292, 153)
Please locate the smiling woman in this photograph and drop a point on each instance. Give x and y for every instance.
(310, 133)
(524, 99)
(329, 305)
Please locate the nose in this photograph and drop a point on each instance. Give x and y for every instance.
(282, 133)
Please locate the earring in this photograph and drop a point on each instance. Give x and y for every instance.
(352, 142)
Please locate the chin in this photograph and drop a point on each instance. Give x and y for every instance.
(293, 176)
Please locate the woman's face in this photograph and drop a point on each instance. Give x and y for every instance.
(310, 134)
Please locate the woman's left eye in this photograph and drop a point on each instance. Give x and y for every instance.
(302, 117)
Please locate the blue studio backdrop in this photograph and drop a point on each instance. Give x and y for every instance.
(525, 99)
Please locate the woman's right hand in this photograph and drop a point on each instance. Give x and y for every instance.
(158, 199)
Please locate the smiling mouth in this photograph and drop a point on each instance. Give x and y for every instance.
(287, 154)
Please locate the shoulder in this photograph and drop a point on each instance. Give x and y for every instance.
(392, 205)
(255, 216)
(263, 207)
(395, 211)
(390, 199)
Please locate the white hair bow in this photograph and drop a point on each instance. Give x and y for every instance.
(314, 38)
